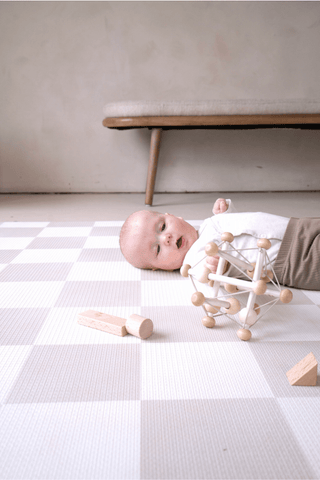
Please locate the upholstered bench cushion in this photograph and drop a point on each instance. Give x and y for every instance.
(210, 107)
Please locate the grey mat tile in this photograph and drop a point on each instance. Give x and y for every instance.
(36, 272)
(105, 231)
(20, 232)
(57, 242)
(219, 439)
(85, 294)
(78, 373)
(6, 256)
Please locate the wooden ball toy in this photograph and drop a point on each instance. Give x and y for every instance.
(211, 249)
(211, 308)
(208, 322)
(286, 296)
(184, 270)
(244, 334)
(234, 306)
(249, 317)
(264, 243)
(203, 276)
(230, 288)
(259, 287)
(197, 299)
(227, 237)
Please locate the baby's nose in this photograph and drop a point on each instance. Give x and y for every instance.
(167, 238)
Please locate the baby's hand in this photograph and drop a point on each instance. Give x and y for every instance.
(212, 263)
(220, 206)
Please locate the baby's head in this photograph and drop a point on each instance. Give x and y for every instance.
(156, 240)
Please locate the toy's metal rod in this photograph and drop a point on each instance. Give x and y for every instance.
(235, 260)
(241, 284)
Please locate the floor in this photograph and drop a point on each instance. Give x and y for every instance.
(95, 207)
(187, 403)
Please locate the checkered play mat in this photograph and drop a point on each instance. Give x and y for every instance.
(187, 403)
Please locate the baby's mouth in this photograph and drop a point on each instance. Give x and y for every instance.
(179, 242)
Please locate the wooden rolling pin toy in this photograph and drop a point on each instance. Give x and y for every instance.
(138, 326)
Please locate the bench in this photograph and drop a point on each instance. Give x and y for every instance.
(159, 116)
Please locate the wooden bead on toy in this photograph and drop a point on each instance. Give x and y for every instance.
(264, 243)
(203, 276)
(227, 237)
(197, 299)
(256, 308)
(249, 317)
(230, 288)
(211, 249)
(234, 306)
(259, 287)
(268, 277)
(286, 296)
(208, 322)
(244, 334)
(211, 308)
(184, 270)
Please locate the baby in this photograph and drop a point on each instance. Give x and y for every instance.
(152, 240)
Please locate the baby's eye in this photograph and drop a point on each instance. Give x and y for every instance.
(163, 227)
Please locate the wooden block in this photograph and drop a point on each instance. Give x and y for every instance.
(138, 326)
(304, 373)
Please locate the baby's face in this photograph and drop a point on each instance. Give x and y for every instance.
(161, 240)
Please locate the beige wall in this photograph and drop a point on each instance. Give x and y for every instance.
(62, 61)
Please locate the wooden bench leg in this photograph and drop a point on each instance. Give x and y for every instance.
(153, 163)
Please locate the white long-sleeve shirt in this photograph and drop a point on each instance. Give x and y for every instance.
(247, 228)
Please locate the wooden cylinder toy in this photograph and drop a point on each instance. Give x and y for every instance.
(139, 326)
(211, 283)
(259, 287)
(197, 299)
(184, 270)
(244, 334)
(286, 296)
(227, 237)
(136, 325)
(264, 243)
(211, 249)
(208, 322)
